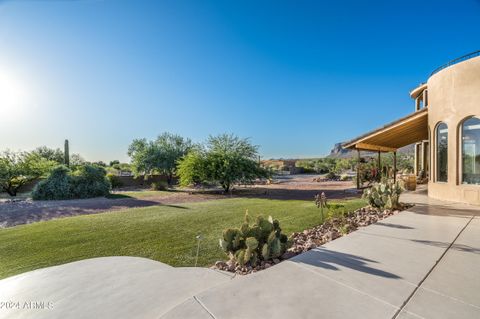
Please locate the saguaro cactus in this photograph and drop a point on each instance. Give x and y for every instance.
(66, 153)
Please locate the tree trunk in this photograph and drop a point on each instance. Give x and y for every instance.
(226, 187)
(12, 191)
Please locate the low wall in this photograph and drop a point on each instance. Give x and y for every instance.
(130, 181)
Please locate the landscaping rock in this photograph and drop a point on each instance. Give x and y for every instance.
(220, 264)
(288, 255)
(311, 238)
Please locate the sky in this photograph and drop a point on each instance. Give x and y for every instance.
(295, 77)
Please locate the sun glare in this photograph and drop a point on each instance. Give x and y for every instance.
(13, 97)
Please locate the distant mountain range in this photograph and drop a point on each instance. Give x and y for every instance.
(339, 152)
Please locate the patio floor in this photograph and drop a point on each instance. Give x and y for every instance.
(421, 263)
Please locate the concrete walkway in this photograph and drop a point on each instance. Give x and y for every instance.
(110, 287)
(421, 263)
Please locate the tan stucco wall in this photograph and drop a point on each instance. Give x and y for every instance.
(454, 94)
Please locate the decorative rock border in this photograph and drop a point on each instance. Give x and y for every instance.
(330, 230)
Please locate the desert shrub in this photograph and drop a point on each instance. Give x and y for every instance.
(85, 182)
(114, 180)
(90, 181)
(159, 186)
(331, 176)
(384, 195)
(251, 244)
(56, 186)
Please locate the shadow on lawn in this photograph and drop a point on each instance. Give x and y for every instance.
(27, 212)
(293, 194)
(327, 259)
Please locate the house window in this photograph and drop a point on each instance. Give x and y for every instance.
(442, 152)
(471, 151)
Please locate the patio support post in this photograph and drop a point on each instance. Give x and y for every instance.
(424, 158)
(394, 167)
(379, 163)
(358, 168)
(417, 160)
(417, 104)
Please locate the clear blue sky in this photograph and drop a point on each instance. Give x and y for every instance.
(294, 76)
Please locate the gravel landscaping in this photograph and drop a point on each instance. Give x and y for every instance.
(331, 229)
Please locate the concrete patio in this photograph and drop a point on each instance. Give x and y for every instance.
(421, 263)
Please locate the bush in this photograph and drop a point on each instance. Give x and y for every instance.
(90, 181)
(252, 244)
(331, 176)
(86, 182)
(345, 177)
(56, 186)
(159, 186)
(384, 195)
(114, 180)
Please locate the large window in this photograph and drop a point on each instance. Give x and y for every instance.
(471, 151)
(442, 152)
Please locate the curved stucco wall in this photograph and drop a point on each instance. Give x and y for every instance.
(454, 94)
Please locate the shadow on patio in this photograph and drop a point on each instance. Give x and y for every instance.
(333, 260)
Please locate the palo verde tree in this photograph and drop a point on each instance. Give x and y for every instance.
(225, 159)
(50, 154)
(17, 169)
(158, 156)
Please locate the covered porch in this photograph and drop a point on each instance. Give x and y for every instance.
(411, 129)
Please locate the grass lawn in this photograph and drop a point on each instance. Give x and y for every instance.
(163, 233)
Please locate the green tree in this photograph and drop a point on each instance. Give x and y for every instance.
(192, 168)
(114, 162)
(158, 156)
(50, 154)
(76, 160)
(226, 160)
(17, 169)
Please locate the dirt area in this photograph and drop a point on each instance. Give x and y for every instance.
(303, 187)
(299, 187)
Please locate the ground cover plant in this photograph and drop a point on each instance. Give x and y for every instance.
(163, 233)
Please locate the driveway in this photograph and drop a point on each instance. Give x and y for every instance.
(421, 263)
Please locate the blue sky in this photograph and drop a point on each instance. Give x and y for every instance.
(294, 76)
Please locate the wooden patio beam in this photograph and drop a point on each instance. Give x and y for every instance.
(371, 147)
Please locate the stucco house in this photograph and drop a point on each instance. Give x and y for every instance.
(445, 128)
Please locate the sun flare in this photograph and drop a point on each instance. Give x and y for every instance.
(14, 97)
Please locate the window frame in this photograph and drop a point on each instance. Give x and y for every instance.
(437, 166)
(461, 150)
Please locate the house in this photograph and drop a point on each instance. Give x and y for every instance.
(445, 128)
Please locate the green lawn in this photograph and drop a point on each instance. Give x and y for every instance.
(164, 233)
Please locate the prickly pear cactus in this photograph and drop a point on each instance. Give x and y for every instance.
(251, 244)
(384, 195)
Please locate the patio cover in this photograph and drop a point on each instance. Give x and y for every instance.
(405, 131)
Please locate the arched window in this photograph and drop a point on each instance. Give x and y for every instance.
(442, 152)
(471, 151)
